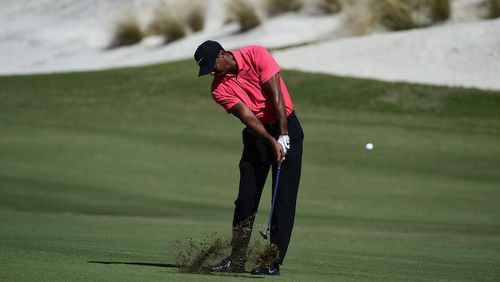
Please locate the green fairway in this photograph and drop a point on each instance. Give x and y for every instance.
(102, 173)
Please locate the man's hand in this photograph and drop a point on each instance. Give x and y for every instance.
(284, 140)
(278, 150)
(246, 116)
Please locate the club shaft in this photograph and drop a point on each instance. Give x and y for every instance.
(275, 190)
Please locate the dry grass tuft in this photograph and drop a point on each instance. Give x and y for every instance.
(494, 7)
(440, 10)
(127, 31)
(276, 7)
(243, 13)
(395, 14)
(359, 17)
(167, 22)
(363, 16)
(196, 16)
(329, 6)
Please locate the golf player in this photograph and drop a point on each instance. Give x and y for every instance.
(247, 84)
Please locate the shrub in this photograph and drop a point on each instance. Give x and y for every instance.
(166, 22)
(244, 13)
(127, 31)
(276, 7)
(329, 6)
(494, 7)
(196, 16)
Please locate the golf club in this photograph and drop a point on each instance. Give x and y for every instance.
(278, 169)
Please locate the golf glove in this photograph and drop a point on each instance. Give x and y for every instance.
(284, 140)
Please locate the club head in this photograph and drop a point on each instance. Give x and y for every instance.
(264, 235)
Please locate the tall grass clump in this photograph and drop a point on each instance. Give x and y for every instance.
(359, 17)
(440, 10)
(168, 23)
(494, 7)
(395, 14)
(276, 7)
(195, 18)
(329, 6)
(366, 15)
(127, 31)
(243, 13)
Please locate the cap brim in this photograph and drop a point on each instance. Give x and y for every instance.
(208, 67)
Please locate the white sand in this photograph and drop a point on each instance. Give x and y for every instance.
(39, 36)
(465, 55)
(42, 36)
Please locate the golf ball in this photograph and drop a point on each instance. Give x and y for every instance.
(369, 146)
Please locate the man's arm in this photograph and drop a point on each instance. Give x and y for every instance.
(247, 117)
(272, 88)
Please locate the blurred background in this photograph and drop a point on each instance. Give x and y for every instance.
(447, 42)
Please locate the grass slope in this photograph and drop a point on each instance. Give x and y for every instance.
(117, 166)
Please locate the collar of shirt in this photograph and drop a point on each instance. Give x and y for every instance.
(239, 63)
(239, 60)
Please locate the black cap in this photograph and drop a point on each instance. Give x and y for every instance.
(205, 56)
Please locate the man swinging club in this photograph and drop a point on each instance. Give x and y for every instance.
(247, 84)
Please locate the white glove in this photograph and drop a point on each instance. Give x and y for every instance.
(284, 140)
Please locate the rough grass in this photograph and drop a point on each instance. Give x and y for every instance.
(440, 10)
(365, 16)
(196, 15)
(168, 22)
(242, 12)
(329, 6)
(101, 173)
(394, 14)
(494, 7)
(358, 17)
(127, 31)
(277, 7)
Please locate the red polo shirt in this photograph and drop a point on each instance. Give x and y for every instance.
(255, 67)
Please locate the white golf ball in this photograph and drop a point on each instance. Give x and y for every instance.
(369, 146)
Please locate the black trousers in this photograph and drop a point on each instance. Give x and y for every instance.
(255, 163)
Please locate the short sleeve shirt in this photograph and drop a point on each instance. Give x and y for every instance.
(255, 67)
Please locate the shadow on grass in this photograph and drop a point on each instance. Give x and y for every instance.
(170, 265)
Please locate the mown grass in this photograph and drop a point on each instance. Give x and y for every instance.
(117, 166)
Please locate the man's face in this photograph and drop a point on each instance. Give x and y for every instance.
(222, 64)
